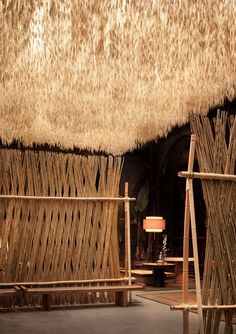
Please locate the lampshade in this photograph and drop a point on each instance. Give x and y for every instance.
(154, 224)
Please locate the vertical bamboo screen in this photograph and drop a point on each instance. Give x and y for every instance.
(46, 240)
(216, 150)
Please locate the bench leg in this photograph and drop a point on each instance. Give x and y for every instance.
(121, 298)
(46, 300)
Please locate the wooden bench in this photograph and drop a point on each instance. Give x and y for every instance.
(48, 289)
(119, 290)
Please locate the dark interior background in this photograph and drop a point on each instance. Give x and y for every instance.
(157, 164)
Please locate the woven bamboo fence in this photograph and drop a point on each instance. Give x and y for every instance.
(46, 240)
(216, 151)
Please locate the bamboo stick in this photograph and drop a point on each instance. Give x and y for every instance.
(186, 238)
(195, 254)
(119, 199)
(191, 307)
(127, 238)
(208, 176)
(60, 282)
(106, 248)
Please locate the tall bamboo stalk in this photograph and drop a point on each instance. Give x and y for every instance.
(190, 213)
(127, 238)
(195, 255)
(186, 238)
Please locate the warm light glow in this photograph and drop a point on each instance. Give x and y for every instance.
(153, 230)
(154, 224)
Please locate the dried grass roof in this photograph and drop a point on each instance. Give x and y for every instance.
(111, 74)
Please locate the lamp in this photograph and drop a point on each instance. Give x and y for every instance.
(154, 224)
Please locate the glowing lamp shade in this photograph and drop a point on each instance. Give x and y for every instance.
(154, 224)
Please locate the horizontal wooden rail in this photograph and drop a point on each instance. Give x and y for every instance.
(66, 198)
(101, 288)
(183, 307)
(208, 176)
(8, 292)
(88, 281)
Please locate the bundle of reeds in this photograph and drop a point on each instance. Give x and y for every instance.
(50, 235)
(109, 75)
(216, 151)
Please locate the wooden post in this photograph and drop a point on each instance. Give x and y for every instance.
(127, 238)
(195, 255)
(190, 213)
(121, 298)
(186, 238)
(46, 302)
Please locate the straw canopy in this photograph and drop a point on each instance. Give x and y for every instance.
(113, 74)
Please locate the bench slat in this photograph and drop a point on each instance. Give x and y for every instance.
(59, 289)
(7, 292)
(100, 280)
(139, 272)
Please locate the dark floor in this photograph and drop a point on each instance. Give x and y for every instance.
(141, 316)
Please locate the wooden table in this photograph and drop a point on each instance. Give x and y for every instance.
(178, 267)
(159, 269)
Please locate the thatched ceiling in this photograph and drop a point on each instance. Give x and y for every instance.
(111, 74)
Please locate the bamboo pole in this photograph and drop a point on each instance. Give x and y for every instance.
(190, 307)
(127, 237)
(186, 238)
(121, 199)
(208, 176)
(195, 255)
(94, 280)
